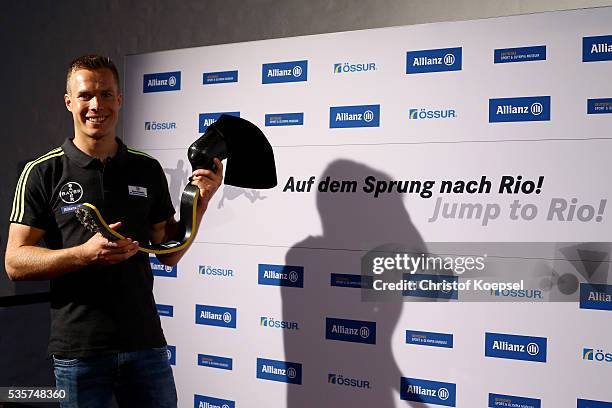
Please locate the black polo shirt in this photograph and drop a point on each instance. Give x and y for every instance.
(98, 309)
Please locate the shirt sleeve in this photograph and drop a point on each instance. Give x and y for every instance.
(30, 203)
(162, 207)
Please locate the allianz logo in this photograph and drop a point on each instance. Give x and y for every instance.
(362, 332)
(343, 68)
(161, 267)
(601, 48)
(278, 324)
(286, 372)
(206, 404)
(366, 116)
(448, 59)
(535, 109)
(171, 81)
(160, 125)
(292, 276)
(441, 393)
(277, 72)
(599, 355)
(532, 348)
(225, 317)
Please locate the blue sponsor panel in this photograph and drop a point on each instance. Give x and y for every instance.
(520, 54)
(522, 109)
(429, 339)
(511, 401)
(354, 116)
(204, 401)
(436, 60)
(161, 82)
(351, 281)
(165, 310)
(597, 106)
(598, 48)
(515, 347)
(583, 403)
(171, 350)
(284, 119)
(159, 269)
(432, 286)
(69, 208)
(290, 71)
(215, 316)
(354, 331)
(221, 77)
(595, 296)
(281, 371)
(281, 275)
(207, 119)
(428, 391)
(207, 360)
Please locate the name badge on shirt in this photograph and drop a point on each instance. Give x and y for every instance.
(137, 191)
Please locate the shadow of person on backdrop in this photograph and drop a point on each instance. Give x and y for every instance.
(353, 223)
(179, 178)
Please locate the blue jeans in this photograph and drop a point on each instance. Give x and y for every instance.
(138, 379)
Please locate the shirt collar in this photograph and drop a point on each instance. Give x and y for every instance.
(84, 160)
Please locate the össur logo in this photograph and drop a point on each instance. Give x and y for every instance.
(71, 192)
(171, 350)
(159, 269)
(204, 401)
(595, 296)
(290, 71)
(355, 331)
(223, 363)
(354, 116)
(597, 48)
(207, 119)
(423, 113)
(339, 379)
(160, 125)
(211, 270)
(278, 324)
(596, 355)
(165, 310)
(428, 392)
(515, 347)
(511, 401)
(583, 403)
(520, 54)
(523, 109)
(282, 371)
(223, 77)
(345, 67)
(215, 316)
(281, 275)
(436, 60)
(161, 82)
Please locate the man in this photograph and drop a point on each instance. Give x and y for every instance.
(106, 336)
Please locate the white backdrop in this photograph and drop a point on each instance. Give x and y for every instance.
(318, 234)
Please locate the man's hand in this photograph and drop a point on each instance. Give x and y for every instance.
(99, 250)
(208, 183)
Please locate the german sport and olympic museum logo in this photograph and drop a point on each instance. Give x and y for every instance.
(501, 400)
(354, 331)
(584, 403)
(521, 109)
(281, 371)
(515, 347)
(435, 60)
(161, 82)
(354, 116)
(279, 72)
(215, 316)
(598, 48)
(520, 54)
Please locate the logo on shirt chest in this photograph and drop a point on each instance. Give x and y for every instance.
(137, 191)
(71, 192)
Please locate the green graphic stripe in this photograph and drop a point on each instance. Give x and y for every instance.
(18, 216)
(139, 152)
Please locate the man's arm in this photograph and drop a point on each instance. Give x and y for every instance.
(26, 261)
(208, 183)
